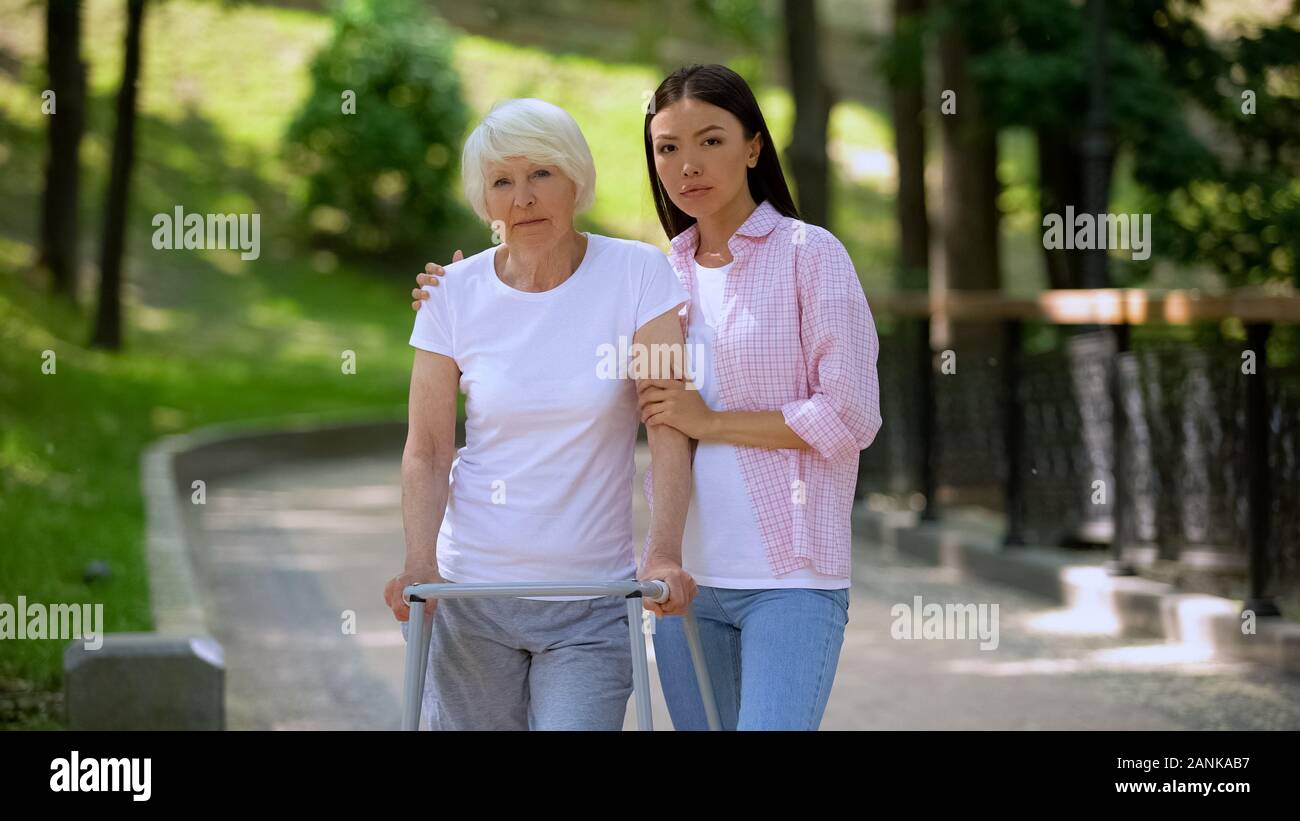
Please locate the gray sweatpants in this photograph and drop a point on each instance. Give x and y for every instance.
(519, 664)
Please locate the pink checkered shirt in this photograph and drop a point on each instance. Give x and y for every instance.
(796, 335)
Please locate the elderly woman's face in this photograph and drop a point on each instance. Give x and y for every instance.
(529, 202)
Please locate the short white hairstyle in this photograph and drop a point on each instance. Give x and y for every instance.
(537, 130)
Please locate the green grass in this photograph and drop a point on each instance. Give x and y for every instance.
(70, 443)
(210, 339)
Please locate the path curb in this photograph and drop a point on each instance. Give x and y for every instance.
(1133, 606)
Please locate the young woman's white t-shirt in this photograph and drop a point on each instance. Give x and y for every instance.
(542, 489)
(722, 545)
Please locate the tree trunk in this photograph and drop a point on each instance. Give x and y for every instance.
(108, 320)
(970, 180)
(812, 108)
(907, 96)
(964, 415)
(67, 78)
(1097, 152)
(1060, 183)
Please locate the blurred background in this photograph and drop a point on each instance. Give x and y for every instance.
(931, 136)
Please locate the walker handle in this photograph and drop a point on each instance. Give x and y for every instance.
(661, 595)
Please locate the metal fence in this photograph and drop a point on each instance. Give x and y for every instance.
(1150, 439)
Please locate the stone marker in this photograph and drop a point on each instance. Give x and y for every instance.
(145, 681)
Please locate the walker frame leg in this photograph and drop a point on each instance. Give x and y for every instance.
(640, 668)
(417, 662)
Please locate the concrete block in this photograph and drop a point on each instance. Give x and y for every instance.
(145, 681)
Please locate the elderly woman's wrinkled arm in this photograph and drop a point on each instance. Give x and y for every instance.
(426, 468)
(670, 455)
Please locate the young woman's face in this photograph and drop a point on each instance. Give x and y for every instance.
(530, 203)
(701, 155)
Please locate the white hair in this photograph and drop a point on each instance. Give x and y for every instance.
(537, 130)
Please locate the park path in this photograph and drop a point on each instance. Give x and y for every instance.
(285, 554)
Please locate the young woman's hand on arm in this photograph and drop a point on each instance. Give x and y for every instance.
(670, 402)
(671, 456)
(432, 271)
(426, 468)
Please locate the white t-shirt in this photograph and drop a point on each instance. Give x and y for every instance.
(542, 489)
(722, 545)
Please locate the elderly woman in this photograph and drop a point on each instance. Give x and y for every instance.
(542, 490)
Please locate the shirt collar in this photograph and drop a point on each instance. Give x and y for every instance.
(761, 222)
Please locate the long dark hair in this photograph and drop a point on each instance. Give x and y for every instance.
(720, 86)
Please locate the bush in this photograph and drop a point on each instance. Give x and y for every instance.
(380, 178)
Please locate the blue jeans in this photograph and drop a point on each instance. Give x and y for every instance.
(771, 656)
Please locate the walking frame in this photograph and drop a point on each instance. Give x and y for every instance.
(417, 646)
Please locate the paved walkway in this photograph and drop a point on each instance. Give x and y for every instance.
(287, 554)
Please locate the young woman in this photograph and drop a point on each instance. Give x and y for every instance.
(787, 398)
